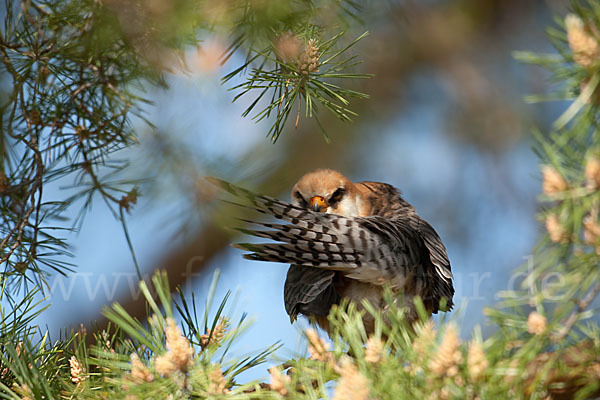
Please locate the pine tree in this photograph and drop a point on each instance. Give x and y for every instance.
(77, 71)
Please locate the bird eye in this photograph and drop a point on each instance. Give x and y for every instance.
(337, 195)
(303, 203)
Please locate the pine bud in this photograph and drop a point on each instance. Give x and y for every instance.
(180, 350)
(164, 365)
(179, 355)
(139, 372)
(374, 351)
(477, 363)
(218, 383)
(591, 230)
(309, 60)
(425, 338)
(217, 335)
(352, 384)
(584, 45)
(422, 346)
(77, 372)
(592, 173)
(553, 182)
(448, 355)
(287, 47)
(279, 381)
(557, 232)
(317, 347)
(536, 323)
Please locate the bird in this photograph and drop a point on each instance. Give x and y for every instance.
(347, 241)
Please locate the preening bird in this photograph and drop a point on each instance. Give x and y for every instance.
(349, 240)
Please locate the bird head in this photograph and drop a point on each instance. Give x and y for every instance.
(327, 191)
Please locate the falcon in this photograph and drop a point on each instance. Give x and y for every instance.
(347, 240)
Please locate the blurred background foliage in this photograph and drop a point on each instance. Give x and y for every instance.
(124, 103)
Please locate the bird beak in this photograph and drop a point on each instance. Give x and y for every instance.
(317, 203)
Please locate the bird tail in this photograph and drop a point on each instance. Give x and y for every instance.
(310, 238)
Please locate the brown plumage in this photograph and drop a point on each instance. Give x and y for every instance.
(348, 240)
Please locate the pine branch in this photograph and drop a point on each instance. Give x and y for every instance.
(581, 306)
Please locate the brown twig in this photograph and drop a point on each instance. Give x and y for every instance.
(262, 385)
(582, 305)
(565, 372)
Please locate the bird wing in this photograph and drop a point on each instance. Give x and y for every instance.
(385, 200)
(441, 264)
(309, 291)
(369, 249)
(437, 250)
